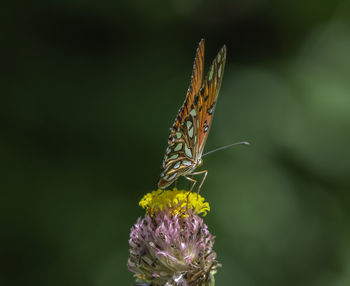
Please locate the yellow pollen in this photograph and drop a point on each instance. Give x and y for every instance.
(178, 202)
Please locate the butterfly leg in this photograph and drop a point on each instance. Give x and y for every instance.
(190, 191)
(205, 172)
(192, 180)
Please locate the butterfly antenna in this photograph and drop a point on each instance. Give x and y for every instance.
(225, 147)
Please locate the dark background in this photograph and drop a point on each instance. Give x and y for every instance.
(89, 91)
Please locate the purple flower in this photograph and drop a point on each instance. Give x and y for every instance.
(168, 249)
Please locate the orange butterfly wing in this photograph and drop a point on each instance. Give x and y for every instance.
(207, 98)
(193, 89)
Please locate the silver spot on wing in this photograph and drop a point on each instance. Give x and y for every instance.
(188, 151)
(178, 147)
(190, 132)
(189, 124)
(174, 156)
(219, 71)
(172, 176)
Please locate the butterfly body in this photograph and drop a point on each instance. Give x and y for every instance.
(191, 127)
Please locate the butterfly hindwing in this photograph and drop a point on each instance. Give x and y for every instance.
(181, 153)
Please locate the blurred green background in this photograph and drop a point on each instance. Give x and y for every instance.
(89, 92)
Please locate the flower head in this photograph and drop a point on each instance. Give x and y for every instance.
(177, 202)
(172, 245)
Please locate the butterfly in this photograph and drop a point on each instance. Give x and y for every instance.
(192, 124)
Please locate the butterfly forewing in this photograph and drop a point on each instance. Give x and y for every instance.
(208, 97)
(193, 89)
